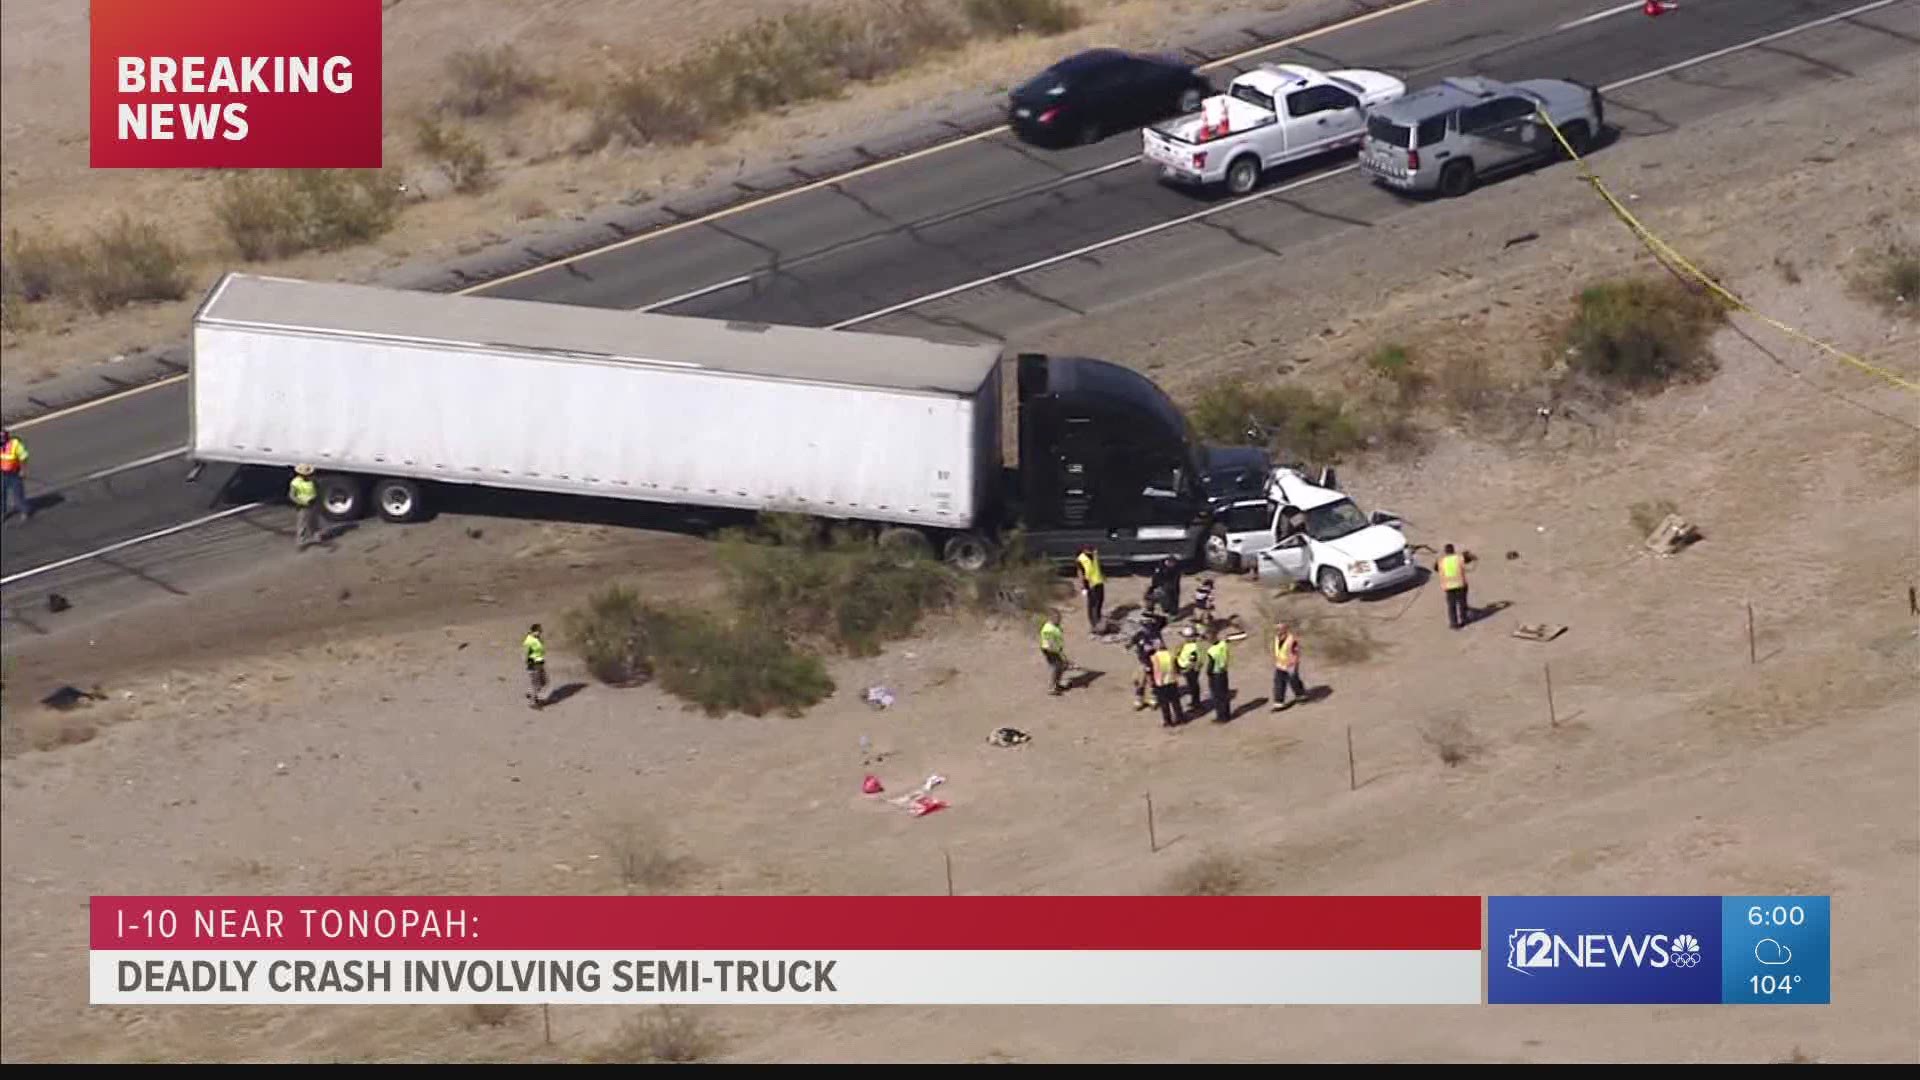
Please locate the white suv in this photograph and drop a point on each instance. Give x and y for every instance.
(1307, 533)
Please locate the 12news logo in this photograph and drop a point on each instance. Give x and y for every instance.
(1529, 951)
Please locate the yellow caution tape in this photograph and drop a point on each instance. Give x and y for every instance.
(1679, 264)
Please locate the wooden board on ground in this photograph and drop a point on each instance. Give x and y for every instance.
(1539, 631)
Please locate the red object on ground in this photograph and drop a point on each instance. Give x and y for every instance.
(871, 785)
(1656, 8)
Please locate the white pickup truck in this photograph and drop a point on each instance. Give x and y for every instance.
(1269, 116)
(1312, 534)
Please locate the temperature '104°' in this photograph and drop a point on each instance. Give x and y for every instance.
(1773, 984)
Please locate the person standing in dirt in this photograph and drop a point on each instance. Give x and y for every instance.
(306, 502)
(1094, 584)
(1164, 588)
(1286, 667)
(535, 648)
(1217, 683)
(1166, 686)
(1143, 644)
(1053, 647)
(1453, 578)
(1188, 661)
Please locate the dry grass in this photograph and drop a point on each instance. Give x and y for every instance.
(1646, 516)
(127, 261)
(663, 1036)
(491, 82)
(1393, 364)
(270, 215)
(1452, 742)
(1215, 873)
(807, 54)
(1889, 277)
(490, 1014)
(1295, 422)
(457, 154)
(641, 857)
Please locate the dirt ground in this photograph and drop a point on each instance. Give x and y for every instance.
(49, 192)
(1671, 763)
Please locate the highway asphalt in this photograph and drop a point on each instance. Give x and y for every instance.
(974, 212)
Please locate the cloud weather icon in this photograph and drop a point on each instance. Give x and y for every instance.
(1771, 952)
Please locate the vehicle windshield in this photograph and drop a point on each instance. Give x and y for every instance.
(1384, 130)
(1252, 97)
(1335, 520)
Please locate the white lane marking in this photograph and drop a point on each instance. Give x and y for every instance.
(1598, 15)
(1755, 43)
(1050, 260)
(1609, 88)
(113, 470)
(928, 223)
(124, 544)
(741, 208)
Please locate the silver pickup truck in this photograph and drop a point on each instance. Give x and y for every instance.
(1449, 136)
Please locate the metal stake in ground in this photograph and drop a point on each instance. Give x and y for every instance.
(1353, 783)
(1553, 718)
(1751, 658)
(1153, 842)
(546, 1018)
(949, 857)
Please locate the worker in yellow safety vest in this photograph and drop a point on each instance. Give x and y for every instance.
(535, 648)
(1453, 578)
(1166, 686)
(1217, 678)
(13, 479)
(1286, 667)
(1053, 647)
(306, 501)
(1188, 661)
(1094, 584)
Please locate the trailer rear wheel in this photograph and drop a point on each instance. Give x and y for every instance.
(398, 500)
(343, 497)
(969, 552)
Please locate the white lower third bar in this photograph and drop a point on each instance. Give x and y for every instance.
(842, 977)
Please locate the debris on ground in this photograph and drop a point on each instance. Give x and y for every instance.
(1008, 736)
(879, 697)
(69, 696)
(1672, 535)
(1539, 631)
(871, 785)
(57, 603)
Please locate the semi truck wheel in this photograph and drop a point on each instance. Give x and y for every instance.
(343, 497)
(969, 552)
(398, 500)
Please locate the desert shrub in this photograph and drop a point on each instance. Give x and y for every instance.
(1643, 333)
(1891, 278)
(1451, 740)
(1394, 364)
(1003, 18)
(611, 636)
(37, 269)
(1296, 421)
(270, 215)
(489, 1014)
(664, 1036)
(487, 81)
(639, 855)
(457, 153)
(1212, 874)
(735, 664)
(131, 261)
(843, 587)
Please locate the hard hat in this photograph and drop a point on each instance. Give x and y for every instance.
(303, 470)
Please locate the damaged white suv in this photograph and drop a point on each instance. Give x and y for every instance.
(1311, 533)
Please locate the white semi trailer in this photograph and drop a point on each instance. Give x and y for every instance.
(391, 394)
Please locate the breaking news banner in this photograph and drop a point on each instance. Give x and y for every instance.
(1659, 950)
(699, 950)
(248, 84)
